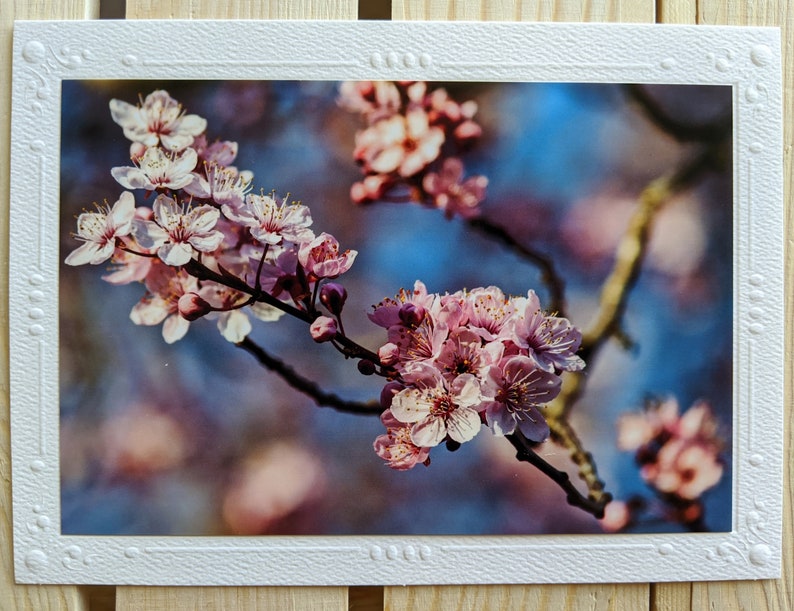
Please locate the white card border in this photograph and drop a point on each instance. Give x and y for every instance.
(45, 53)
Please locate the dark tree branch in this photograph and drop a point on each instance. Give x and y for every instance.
(307, 386)
(351, 349)
(526, 453)
(548, 276)
(680, 130)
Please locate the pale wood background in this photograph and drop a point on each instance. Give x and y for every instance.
(758, 595)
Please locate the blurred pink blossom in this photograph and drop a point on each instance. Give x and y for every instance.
(617, 516)
(271, 484)
(142, 440)
(401, 144)
(451, 193)
(677, 455)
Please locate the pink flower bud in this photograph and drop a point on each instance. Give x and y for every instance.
(192, 307)
(617, 515)
(323, 329)
(411, 314)
(389, 354)
(333, 297)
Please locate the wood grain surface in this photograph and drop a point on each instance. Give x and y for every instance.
(757, 595)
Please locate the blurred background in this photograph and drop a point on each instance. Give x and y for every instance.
(195, 438)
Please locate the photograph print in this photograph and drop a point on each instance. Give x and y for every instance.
(395, 308)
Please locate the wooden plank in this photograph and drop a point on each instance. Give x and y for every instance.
(14, 596)
(222, 599)
(524, 10)
(676, 11)
(600, 596)
(255, 9)
(778, 593)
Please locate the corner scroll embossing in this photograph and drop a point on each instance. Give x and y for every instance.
(42, 62)
(750, 550)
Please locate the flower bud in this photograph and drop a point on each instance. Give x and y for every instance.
(333, 297)
(388, 354)
(323, 329)
(192, 307)
(366, 367)
(411, 314)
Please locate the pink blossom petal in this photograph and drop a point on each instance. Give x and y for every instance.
(463, 424)
(429, 432)
(174, 328)
(234, 326)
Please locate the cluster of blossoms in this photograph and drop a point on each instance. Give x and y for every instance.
(207, 245)
(678, 456)
(464, 359)
(410, 149)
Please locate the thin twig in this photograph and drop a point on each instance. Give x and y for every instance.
(307, 386)
(202, 272)
(632, 249)
(563, 435)
(614, 295)
(681, 131)
(548, 273)
(525, 453)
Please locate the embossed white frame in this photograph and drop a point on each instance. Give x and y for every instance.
(748, 59)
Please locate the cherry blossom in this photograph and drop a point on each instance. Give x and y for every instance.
(159, 119)
(463, 352)
(128, 266)
(450, 193)
(684, 468)
(438, 409)
(100, 230)
(223, 185)
(410, 149)
(322, 258)
(371, 188)
(158, 170)
(678, 455)
(387, 312)
(402, 144)
(165, 286)
(271, 221)
(518, 388)
(374, 99)
(551, 341)
(177, 233)
(221, 153)
(396, 446)
(488, 310)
